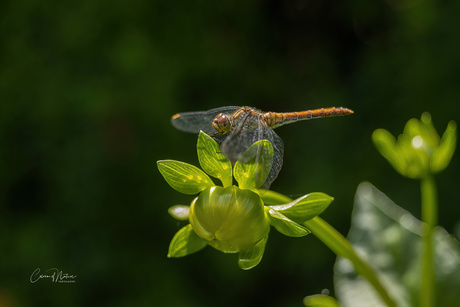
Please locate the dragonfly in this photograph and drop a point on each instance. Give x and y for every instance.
(237, 128)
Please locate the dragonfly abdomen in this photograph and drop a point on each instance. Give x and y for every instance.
(274, 119)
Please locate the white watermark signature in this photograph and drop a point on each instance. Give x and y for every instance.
(53, 274)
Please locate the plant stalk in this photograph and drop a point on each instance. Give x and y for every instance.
(342, 247)
(430, 218)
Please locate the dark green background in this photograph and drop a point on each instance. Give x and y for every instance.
(87, 89)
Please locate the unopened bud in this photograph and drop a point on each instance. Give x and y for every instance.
(229, 219)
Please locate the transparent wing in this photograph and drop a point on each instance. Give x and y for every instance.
(248, 130)
(196, 121)
(278, 152)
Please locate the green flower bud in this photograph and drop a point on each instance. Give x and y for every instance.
(419, 151)
(229, 219)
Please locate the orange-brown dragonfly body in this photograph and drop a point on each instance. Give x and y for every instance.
(243, 126)
(275, 119)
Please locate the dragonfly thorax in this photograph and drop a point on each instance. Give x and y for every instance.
(222, 123)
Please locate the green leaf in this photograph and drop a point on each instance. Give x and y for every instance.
(306, 207)
(185, 242)
(212, 160)
(252, 257)
(253, 167)
(179, 212)
(320, 300)
(286, 226)
(184, 177)
(443, 154)
(272, 198)
(390, 238)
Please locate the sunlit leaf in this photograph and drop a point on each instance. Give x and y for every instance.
(255, 164)
(305, 207)
(286, 226)
(179, 212)
(185, 242)
(184, 177)
(252, 257)
(320, 300)
(212, 160)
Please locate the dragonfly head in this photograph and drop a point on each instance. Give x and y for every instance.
(222, 123)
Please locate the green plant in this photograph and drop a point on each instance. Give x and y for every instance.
(237, 219)
(419, 153)
(229, 218)
(417, 261)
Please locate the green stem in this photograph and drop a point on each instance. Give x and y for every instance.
(430, 218)
(341, 247)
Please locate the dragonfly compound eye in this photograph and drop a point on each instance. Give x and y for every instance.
(222, 123)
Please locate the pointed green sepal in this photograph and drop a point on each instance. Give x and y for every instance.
(212, 160)
(270, 197)
(184, 177)
(385, 143)
(251, 257)
(444, 152)
(306, 207)
(185, 242)
(253, 167)
(179, 212)
(286, 226)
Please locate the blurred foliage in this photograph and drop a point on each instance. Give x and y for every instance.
(87, 89)
(390, 239)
